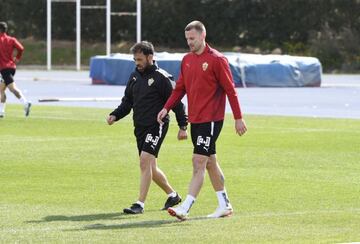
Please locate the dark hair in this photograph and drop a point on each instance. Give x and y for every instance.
(144, 47)
(3, 27)
(197, 25)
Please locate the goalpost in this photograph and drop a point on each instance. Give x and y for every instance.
(107, 7)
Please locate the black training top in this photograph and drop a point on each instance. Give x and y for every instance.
(146, 93)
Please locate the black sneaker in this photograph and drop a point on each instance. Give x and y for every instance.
(134, 209)
(172, 201)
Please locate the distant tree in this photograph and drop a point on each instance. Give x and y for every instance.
(296, 26)
(24, 17)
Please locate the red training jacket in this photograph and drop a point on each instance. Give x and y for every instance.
(7, 46)
(206, 79)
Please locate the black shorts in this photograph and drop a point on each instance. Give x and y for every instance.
(8, 75)
(149, 139)
(204, 136)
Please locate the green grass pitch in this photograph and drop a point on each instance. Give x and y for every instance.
(65, 176)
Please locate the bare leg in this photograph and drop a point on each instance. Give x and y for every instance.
(2, 92)
(146, 160)
(3, 99)
(218, 182)
(160, 179)
(13, 88)
(215, 174)
(197, 180)
(199, 166)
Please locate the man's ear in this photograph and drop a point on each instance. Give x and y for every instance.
(203, 35)
(150, 57)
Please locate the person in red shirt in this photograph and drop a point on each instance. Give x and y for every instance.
(206, 78)
(8, 67)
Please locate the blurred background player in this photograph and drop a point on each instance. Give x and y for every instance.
(8, 68)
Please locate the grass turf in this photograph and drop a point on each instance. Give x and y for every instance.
(65, 176)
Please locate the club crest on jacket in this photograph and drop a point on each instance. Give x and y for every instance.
(205, 66)
(150, 81)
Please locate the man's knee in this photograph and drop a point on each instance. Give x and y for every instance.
(2, 92)
(3, 97)
(199, 163)
(13, 88)
(214, 169)
(2, 88)
(211, 162)
(146, 160)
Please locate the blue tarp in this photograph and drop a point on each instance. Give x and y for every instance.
(247, 69)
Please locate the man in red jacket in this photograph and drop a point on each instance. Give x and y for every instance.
(206, 79)
(8, 67)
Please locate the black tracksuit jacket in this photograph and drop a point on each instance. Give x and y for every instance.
(146, 93)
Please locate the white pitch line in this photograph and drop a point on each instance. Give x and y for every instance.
(340, 85)
(58, 118)
(81, 99)
(52, 79)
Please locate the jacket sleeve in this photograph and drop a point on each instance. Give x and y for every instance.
(181, 116)
(179, 108)
(126, 102)
(224, 76)
(177, 94)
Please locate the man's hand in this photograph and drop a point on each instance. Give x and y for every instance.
(111, 119)
(240, 126)
(182, 135)
(162, 115)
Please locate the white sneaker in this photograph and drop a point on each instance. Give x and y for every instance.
(178, 212)
(27, 107)
(222, 212)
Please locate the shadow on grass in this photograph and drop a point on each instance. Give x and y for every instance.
(141, 224)
(88, 217)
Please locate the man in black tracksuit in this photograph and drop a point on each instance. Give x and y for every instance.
(146, 92)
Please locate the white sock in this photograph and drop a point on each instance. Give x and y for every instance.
(23, 100)
(189, 201)
(223, 198)
(2, 107)
(141, 204)
(172, 194)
